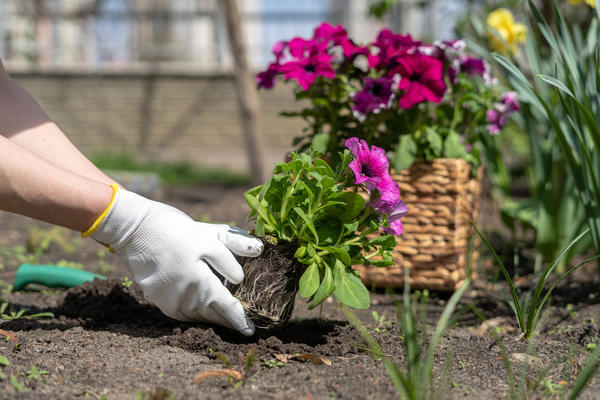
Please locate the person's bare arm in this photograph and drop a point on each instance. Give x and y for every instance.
(24, 122)
(34, 187)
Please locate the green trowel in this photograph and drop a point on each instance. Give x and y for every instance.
(51, 276)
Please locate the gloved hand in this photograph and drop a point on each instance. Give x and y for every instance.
(169, 255)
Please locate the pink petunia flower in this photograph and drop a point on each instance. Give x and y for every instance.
(376, 95)
(422, 79)
(498, 115)
(306, 70)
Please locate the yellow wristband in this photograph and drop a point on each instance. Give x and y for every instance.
(96, 223)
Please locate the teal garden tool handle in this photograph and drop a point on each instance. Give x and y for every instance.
(51, 276)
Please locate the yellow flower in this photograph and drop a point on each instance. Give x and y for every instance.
(591, 3)
(504, 33)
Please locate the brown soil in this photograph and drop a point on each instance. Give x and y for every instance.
(106, 341)
(270, 284)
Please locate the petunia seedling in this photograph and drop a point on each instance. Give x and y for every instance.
(333, 219)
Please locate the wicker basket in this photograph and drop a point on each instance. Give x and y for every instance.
(441, 198)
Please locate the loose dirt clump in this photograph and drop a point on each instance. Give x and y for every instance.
(270, 284)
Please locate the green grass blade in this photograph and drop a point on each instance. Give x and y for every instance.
(559, 280)
(534, 305)
(518, 310)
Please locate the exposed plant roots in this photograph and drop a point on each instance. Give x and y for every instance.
(270, 284)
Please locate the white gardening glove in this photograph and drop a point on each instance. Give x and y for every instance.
(169, 255)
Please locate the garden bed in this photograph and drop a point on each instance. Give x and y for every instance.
(106, 341)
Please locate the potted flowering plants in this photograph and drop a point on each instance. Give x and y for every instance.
(413, 99)
(433, 108)
(315, 225)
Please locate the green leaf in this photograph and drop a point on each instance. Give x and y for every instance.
(387, 241)
(309, 281)
(4, 360)
(339, 253)
(300, 252)
(453, 148)
(310, 250)
(320, 142)
(253, 203)
(381, 263)
(324, 168)
(308, 222)
(354, 205)
(349, 289)
(352, 227)
(259, 229)
(404, 153)
(435, 140)
(325, 289)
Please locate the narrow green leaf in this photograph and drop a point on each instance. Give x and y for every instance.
(589, 369)
(308, 222)
(518, 310)
(4, 360)
(309, 281)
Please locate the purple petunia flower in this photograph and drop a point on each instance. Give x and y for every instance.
(394, 212)
(390, 205)
(473, 66)
(266, 79)
(498, 115)
(376, 95)
(422, 79)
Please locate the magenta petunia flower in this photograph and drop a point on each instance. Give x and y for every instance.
(422, 79)
(266, 79)
(278, 51)
(376, 95)
(370, 166)
(390, 205)
(300, 48)
(306, 70)
(392, 45)
(326, 32)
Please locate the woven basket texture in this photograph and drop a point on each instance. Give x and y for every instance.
(441, 197)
